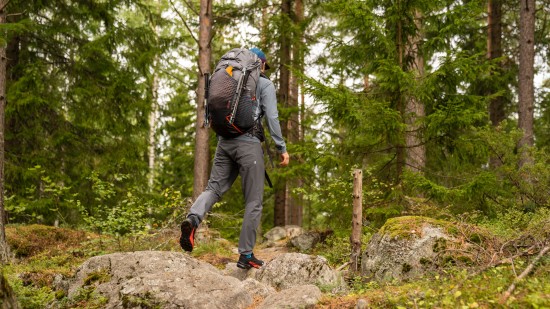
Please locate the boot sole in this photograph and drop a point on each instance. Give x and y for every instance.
(243, 265)
(187, 236)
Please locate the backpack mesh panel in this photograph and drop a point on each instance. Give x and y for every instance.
(219, 101)
(244, 119)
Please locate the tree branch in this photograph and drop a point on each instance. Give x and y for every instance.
(523, 274)
(184, 23)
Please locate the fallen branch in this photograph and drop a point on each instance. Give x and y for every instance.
(491, 265)
(343, 266)
(524, 274)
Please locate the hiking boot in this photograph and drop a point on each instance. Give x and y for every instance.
(187, 238)
(246, 261)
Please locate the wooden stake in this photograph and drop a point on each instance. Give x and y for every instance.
(357, 220)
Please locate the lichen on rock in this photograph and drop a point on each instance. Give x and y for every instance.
(408, 247)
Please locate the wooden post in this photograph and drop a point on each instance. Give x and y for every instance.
(357, 220)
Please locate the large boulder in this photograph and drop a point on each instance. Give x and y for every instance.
(158, 279)
(306, 241)
(305, 296)
(407, 247)
(296, 269)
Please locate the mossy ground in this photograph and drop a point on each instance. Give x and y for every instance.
(50, 251)
(454, 289)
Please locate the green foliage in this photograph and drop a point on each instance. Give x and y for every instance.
(131, 214)
(456, 288)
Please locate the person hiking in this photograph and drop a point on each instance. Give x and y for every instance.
(241, 155)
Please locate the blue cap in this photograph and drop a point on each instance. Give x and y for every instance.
(260, 55)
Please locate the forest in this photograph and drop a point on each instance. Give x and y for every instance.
(443, 105)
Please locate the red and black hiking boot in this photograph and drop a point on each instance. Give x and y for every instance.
(246, 261)
(187, 238)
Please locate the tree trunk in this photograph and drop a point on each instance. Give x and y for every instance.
(295, 201)
(400, 154)
(152, 131)
(416, 150)
(152, 136)
(202, 154)
(4, 248)
(526, 75)
(281, 213)
(494, 51)
(153, 116)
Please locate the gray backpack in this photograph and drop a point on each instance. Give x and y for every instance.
(231, 96)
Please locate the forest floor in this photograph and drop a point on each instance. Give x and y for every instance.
(42, 252)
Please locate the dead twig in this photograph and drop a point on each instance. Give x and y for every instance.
(523, 274)
(492, 264)
(343, 266)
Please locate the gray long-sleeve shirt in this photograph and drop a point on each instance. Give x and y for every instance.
(265, 94)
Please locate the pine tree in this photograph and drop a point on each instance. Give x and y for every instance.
(4, 247)
(526, 92)
(202, 157)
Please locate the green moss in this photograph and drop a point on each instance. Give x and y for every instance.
(142, 301)
(100, 276)
(439, 245)
(475, 238)
(466, 260)
(425, 262)
(403, 227)
(449, 260)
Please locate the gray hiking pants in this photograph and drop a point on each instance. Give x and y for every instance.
(236, 157)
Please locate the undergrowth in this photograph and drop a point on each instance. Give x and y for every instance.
(44, 253)
(454, 288)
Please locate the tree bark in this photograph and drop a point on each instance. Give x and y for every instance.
(202, 154)
(400, 105)
(4, 248)
(494, 51)
(526, 75)
(152, 129)
(416, 150)
(281, 211)
(295, 201)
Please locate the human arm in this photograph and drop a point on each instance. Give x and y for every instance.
(268, 101)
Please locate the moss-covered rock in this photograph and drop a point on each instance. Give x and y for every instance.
(407, 247)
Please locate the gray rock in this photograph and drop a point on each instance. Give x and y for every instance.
(154, 278)
(232, 270)
(293, 231)
(306, 296)
(306, 241)
(279, 233)
(257, 289)
(403, 254)
(296, 269)
(275, 234)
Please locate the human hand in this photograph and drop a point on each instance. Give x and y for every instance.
(285, 158)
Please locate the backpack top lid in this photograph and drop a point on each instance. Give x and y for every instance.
(239, 59)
